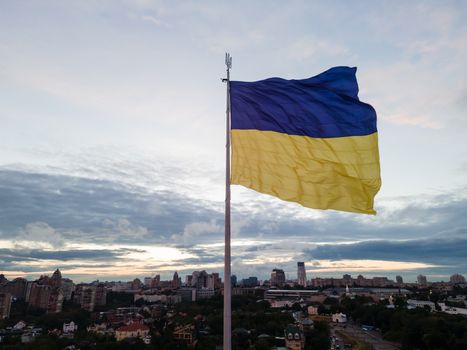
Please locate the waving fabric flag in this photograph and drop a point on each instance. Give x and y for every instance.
(308, 141)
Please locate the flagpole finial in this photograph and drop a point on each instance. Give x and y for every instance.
(228, 60)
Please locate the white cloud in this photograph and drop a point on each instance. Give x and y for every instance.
(39, 234)
(416, 120)
(309, 47)
(201, 228)
(122, 228)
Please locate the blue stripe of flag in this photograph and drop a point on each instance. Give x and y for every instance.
(322, 106)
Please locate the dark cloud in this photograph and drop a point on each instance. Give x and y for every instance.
(445, 251)
(9, 255)
(72, 204)
(95, 209)
(258, 248)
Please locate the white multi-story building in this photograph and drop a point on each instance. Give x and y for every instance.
(70, 327)
(412, 303)
(339, 318)
(204, 293)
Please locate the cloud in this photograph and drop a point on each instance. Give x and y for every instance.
(200, 228)
(124, 228)
(152, 19)
(63, 255)
(404, 119)
(39, 234)
(306, 48)
(92, 209)
(446, 250)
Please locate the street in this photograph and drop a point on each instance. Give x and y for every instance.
(372, 337)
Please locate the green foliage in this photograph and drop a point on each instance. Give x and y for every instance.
(413, 329)
(209, 342)
(318, 338)
(455, 303)
(117, 299)
(322, 310)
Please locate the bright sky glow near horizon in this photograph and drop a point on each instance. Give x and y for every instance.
(112, 137)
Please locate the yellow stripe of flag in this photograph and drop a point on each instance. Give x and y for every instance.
(341, 173)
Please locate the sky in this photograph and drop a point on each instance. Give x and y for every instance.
(112, 136)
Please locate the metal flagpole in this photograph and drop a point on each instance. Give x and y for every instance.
(227, 281)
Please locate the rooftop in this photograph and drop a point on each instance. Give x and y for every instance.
(133, 327)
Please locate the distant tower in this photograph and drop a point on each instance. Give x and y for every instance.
(156, 281)
(457, 279)
(233, 280)
(421, 280)
(56, 279)
(277, 278)
(301, 273)
(57, 274)
(176, 281)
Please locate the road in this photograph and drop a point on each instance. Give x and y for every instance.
(371, 337)
(336, 342)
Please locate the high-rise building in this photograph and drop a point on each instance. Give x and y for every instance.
(5, 305)
(17, 288)
(156, 281)
(250, 282)
(301, 273)
(381, 282)
(101, 294)
(347, 279)
(136, 284)
(422, 281)
(55, 303)
(233, 280)
(88, 298)
(56, 279)
(457, 279)
(3, 279)
(46, 297)
(217, 280)
(68, 287)
(176, 281)
(201, 279)
(188, 280)
(39, 295)
(277, 278)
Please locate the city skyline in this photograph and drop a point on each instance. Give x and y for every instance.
(240, 279)
(112, 137)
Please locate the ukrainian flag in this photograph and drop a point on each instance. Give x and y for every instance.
(308, 141)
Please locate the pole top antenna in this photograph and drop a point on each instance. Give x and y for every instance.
(228, 60)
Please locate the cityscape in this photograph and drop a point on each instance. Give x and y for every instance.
(156, 313)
